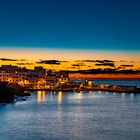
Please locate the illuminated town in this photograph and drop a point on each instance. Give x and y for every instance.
(69, 69)
(42, 79)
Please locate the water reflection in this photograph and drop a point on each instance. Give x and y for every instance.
(114, 93)
(106, 92)
(80, 116)
(132, 96)
(123, 94)
(59, 97)
(51, 96)
(91, 92)
(79, 95)
(41, 96)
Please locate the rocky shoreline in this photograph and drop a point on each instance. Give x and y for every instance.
(8, 93)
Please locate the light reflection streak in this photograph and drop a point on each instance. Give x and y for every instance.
(41, 96)
(59, 97)
(132, 96)
(91, 92)
(51, 96)
(106, 92)
(114, 93)
(79, 95)
(123, 96)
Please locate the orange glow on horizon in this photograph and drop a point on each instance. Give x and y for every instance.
(32, 56)
(59, 54)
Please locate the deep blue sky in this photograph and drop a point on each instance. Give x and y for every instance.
(83, 24)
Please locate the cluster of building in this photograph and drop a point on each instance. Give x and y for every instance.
(36, 78)
(40, 78)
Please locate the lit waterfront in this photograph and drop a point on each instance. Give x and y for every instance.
(60, 115)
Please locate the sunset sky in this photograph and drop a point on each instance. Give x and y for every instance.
(70, 29)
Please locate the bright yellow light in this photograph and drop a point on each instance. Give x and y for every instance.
(43, 96)
(123, 94)
(59, 98)
(40, 96)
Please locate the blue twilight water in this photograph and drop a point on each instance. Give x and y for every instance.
(116, 82)
(72, 116)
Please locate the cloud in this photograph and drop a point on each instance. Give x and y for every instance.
(24, 63)
(22, 60)
(64, 61)
(105, 61)
(78, 64)
(51, 62)
(126, 65)
(8, 59)
(123, 61)
(106, 64)
(72, 67)
(99, 61)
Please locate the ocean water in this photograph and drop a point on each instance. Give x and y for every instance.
(72, 116)
(116, 82)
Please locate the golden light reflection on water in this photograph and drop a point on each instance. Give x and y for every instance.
(40, 96)
(123, 94)
(51, 96)
(79, 95)
(114, 93)
(123, 97)
(106, 92)
(59, 97)
(91, 92)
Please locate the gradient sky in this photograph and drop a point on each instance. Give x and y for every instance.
(90, 25)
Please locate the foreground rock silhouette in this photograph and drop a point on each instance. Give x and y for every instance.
(8, 92)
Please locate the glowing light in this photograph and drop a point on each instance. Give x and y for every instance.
(79, 95)
(114, 93)
(59, 97)
(91, 92)
(40, 96)
(43, 96)
(123, 94)
(106, 92)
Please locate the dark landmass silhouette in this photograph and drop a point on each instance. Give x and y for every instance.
(106, 71)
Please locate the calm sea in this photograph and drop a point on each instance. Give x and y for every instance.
(73, 116)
